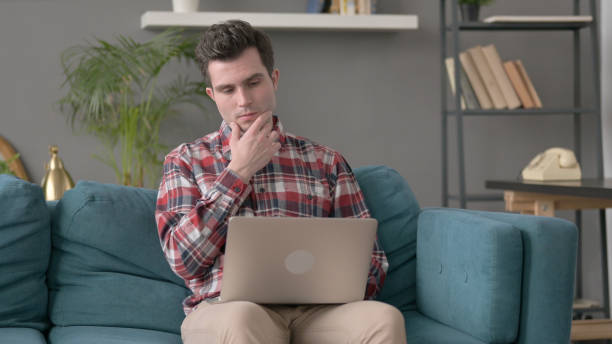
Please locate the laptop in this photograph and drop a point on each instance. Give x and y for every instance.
(297, 260)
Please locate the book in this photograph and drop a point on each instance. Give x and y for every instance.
(518, 84)
(334, 7)
(470, 70)
(467, 93)
(315, 6)
(348, 7)
(486, 75)
(497, 68)
(364, 6)
(527, 81)
(538, 19)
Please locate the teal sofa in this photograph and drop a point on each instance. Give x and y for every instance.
(89, 269)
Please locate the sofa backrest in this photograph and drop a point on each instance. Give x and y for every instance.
(393, 204)
(25, 246)
(107, 267)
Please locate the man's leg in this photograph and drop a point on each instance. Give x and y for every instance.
(361, 322)
(234, 322)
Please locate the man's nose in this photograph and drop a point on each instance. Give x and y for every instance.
(244, 97)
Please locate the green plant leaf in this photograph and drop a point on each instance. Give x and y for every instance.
(113, 92)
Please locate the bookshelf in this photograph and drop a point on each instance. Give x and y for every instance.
(283, 21)
(450, 31)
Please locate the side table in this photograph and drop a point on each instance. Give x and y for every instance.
(543, 198)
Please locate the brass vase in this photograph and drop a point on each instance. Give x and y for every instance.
(56, 180)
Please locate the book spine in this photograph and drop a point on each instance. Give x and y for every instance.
(314, 6)
(528, 83)
(497, 68)
(484, 70)
(347, 7)
(450, 70)
(468, 91)
(518, 84)
(334, 8)
(481, 93)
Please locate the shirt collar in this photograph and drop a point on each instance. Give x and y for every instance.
(225, 132)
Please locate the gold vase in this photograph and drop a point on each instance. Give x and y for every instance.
(56, 180)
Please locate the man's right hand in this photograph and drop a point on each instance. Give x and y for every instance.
(255, 148)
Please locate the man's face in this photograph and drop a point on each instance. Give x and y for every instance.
(242, 88)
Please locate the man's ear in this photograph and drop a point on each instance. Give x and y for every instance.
(210, 93)
(275, 75)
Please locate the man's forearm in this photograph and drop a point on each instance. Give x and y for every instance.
(192, 240)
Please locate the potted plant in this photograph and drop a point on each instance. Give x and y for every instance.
(470, 8)
(5, 166)
(114, 93)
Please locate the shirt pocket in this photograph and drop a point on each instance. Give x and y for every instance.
(312, 196)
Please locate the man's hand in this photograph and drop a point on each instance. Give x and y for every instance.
(255, 148)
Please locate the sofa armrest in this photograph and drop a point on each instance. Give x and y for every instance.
(548, 248)
(469, 273)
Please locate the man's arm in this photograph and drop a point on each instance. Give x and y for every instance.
(192, 227)
(349, 202)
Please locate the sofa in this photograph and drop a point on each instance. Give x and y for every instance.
(89, 268)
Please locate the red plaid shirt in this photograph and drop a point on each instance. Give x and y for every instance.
(198, 195)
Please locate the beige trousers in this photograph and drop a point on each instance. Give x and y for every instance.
(246, 322)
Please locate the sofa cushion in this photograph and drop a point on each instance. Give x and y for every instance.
(21, 335)
(469, 271)
(423, 330)
(107, 266)
(110, 335)
(25, 246)
(393, 204)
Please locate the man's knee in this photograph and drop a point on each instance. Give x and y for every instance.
(233, 322)
(241, 314)
(384, 313)
(386, 322)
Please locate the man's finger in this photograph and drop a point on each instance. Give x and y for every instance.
(235, 133)
(273, 136)
(267, 128)
(255, 127)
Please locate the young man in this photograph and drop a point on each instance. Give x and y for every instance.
(252, 167)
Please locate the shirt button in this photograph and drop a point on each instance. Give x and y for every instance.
(309, 197)
(262, 190)
(237, 189)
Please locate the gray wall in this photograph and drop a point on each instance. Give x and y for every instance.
(373, 96)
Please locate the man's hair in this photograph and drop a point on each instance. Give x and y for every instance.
(226, 41)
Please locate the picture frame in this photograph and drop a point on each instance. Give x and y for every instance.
(6, 152)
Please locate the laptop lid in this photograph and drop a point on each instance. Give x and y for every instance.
(297, 260)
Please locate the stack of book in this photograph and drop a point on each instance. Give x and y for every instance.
(343, 7)
(488, 83)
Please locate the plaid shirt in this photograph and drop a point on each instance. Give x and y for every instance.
(198, 195)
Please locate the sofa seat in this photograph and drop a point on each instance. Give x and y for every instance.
(21, 335)
(423, 330)
(109, 335)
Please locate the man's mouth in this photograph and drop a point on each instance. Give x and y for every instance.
(248, 116)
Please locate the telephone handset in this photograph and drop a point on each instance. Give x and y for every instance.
(553, 164)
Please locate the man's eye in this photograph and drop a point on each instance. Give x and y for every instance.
(226, 90)
(253, 83)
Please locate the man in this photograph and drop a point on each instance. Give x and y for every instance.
(252, 167)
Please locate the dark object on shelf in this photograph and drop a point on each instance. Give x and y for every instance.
(318, 6)
(470, 12)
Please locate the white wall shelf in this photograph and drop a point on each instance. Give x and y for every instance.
(282, 21)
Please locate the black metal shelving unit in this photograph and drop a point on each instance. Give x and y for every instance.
(453, 29)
